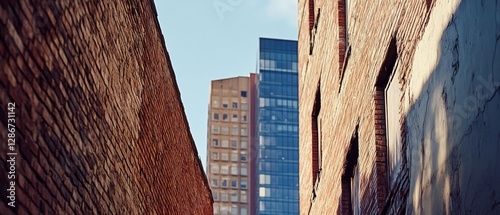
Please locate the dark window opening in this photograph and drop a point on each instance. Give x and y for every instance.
(244, 94)
(316, 148)
(428, 3)
(388, 64)
(350, 180)
(380, 117)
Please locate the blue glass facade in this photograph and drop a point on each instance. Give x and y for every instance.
(277, 167)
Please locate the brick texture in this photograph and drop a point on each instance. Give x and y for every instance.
(311, 14)
(341, 12)
(351, 99)
(100, 127)
(381, 147)
(445, 57)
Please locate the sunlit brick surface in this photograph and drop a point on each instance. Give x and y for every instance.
(100, 127)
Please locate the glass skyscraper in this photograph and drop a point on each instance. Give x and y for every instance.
(276, 169)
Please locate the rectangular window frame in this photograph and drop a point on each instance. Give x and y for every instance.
(215, 129)
(234, 183)
(234, 170)
(234, 144)
(393, 142)
(224, 183)
(224, 156)
(225, 130)
(244, 131)
(224, 197)
(244, 184)
(244, 157)
(386, 73)
(224, 170)
(243, 144)
(234, 157)
(234, 197)
(225, 143)
(215, 195)
(244, 171)
(215, 155)
(234, 131)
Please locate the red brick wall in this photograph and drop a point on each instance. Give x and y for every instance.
(311, 14)
(341, 13)
(100, 127)
(381, 147)
(345, 199)
(445, 58)
(352, 99)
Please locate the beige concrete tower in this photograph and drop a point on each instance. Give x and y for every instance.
(228, 145)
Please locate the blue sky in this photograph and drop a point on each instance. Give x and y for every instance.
(214, 39)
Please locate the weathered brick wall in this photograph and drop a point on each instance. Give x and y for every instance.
(447, 61)
(371, 26)
(100, 127)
